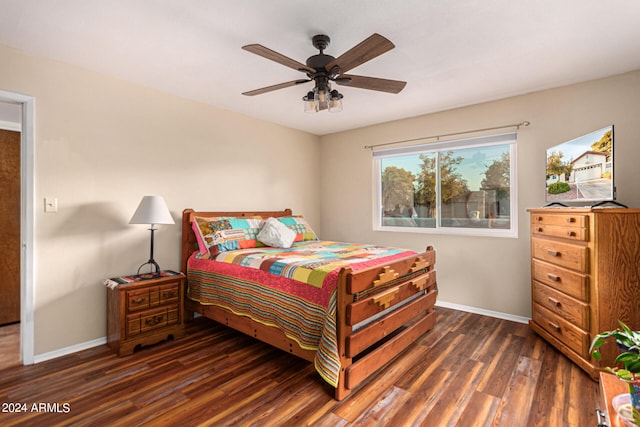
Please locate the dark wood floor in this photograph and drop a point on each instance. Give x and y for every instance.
(470, 370)
(9, 345)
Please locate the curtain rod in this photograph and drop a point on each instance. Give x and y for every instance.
(515, 125)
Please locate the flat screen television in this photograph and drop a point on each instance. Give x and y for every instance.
(580, 171)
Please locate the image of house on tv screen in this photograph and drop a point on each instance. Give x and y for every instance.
(581, 169)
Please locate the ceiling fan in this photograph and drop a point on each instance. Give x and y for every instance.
(324, 69)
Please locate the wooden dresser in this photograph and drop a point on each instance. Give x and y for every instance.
(585, 276)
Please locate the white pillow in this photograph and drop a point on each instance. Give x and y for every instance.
(276, 234)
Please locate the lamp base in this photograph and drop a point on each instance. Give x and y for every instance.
(153, 264)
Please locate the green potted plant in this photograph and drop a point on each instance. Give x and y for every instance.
(628, 342)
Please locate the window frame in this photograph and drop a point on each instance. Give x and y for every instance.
(443, 147)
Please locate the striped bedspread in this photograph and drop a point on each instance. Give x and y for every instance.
(291, 289)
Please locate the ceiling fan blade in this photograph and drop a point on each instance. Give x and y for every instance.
(265, 52)
(372, 83)
(371, 47)
(274, 87)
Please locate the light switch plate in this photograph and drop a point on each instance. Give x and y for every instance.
(51, 204)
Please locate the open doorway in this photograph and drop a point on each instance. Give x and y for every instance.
(17, 190)
(10, 143)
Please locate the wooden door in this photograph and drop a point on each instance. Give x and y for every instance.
(9, 226)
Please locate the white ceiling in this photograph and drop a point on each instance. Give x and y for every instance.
(451, 53)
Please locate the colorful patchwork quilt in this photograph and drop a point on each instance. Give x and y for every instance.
(292, 289)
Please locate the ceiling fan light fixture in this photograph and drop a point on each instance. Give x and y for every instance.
(321, 95)
(335, 102)
(320, 99)
(309, 103)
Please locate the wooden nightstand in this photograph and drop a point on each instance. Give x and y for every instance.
(143, 310)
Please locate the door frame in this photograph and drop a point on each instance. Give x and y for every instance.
(27, 203)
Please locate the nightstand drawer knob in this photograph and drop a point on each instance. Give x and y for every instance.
(139, 300)
(554, 326)
(153, 320)
(552, 252)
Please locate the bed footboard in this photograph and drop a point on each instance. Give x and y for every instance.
(381, 311)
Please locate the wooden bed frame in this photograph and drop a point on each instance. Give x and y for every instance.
(408, 306)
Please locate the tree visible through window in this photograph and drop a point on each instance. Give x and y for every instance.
(465, 184)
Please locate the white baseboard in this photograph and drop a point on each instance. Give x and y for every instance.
(482, 311)
(68, 350)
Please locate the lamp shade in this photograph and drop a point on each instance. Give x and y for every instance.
(152, 210)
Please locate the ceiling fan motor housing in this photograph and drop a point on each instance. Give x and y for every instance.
(320, 61)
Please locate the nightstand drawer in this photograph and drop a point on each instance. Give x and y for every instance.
(169, 293)
(562, 254)
(152, 319)
(567, 281)
(138, 299)
(572, 336)
(142, 299)
(570, 309)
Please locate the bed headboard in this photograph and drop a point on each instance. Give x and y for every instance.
(189, 243)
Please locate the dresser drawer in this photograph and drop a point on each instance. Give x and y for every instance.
(570, 309)
(573, 233)
(567, 220)
(567, 255)
(567, 281)
(152, 319)
(572, 336)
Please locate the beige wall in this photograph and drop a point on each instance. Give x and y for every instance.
(101, 144)
(482, 272)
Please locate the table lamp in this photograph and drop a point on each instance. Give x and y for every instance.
(152, 210)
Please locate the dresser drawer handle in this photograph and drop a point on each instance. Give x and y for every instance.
(554, 301)
(571, 220)
(552, 252)
(553, 277)
(539, 218)
(554, 326)
(571, 233)
(170, 294)
(153, 321)
(138, 300)
(539, 230)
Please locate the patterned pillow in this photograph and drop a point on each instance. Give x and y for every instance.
(219, 234)
(300, 226)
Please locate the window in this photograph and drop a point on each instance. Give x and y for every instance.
(465, 186)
